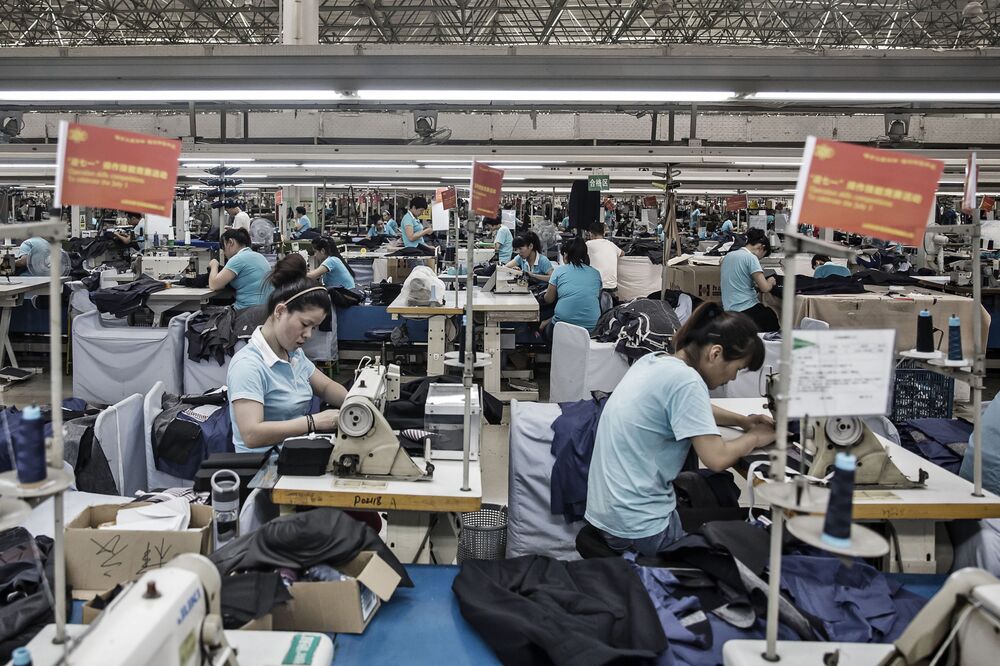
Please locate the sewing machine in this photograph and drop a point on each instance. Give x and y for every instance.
(160, 265)
(7, 266)
(365, 445)
(507, 281)
(172, 617)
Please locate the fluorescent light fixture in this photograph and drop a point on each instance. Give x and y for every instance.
(459, 160)
(879, 96)
(762, 163)
(27, 166)
(215, 159)
(345, 165)
(555, 96)
(270, 165)
(242, 95)
(466, 178)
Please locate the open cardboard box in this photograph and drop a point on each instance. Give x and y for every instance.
(90, 613)
(342, 606)
(99, 559)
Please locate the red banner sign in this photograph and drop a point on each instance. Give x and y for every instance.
(882, 193)
(487, 184)
(447, 196)
(279, 197)
(989, 203)
(737, 202)
(108, 168)
(650, 202)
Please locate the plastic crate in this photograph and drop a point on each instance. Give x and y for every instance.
(919, 393)
(484, 534)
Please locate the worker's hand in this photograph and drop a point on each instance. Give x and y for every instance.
(758, 419)
(762, 435)
(213, 265)
(326, 421)
(771, 281)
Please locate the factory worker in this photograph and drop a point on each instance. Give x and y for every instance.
(302, 224)
(727, 227)
(503, 239)
(575, 288)
(33, 246)
(741, 277)
(604, 257)
(530, 259)
(271, 382)
(377, 226)
(245, 270)
(332, 270)
(823, 266)
(659, 410)
(413, 228)
(238, 219)
(391, 228)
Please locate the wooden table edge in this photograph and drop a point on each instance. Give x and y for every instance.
(374, 501)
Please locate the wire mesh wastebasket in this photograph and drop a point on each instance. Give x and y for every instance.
(921, 394)
(483, 534)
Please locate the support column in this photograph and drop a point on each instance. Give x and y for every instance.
(75, 212)
(300, 22)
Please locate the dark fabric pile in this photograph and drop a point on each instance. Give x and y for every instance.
(831, 284)
(24, 604)
(639, 327)
(124, 299)
(652, 248)
(385, 293)
(182, 438)
(83, 451)
(536, 610)
(421, 250)
(940, 441)
(574, 431)
(253, 565)
(212, 333)
(408, 411)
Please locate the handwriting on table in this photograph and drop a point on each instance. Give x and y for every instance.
(374, 501)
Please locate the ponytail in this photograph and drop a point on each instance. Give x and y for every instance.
(735, 332)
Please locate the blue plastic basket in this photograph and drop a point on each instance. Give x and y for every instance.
(921, 394)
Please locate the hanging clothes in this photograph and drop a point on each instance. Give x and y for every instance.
(124, 299)
(573, 446)
(213, 332)
(536, 610)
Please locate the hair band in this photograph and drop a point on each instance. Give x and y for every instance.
(305, 291)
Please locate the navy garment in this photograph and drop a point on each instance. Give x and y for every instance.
(213, 435)
(935, 440)
(13, 424)
(573, 446)
(854, 603)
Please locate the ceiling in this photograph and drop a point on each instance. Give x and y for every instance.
(702, 171)
(801, 24)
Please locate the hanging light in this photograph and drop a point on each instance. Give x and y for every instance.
(663, 8)
(973, 10)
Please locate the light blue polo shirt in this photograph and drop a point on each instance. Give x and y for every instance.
(735, 281)
(410, 221)
(579, 289)
(256, 373)
(642, 441)
(337, 274)
(31, 246)
(830, 268)
(303, 224)
(391, 228)
(727, 227)
(250, 283)
(542, 264)
(505, 240)
(372, 231)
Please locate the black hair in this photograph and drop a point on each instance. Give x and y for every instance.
(821, 258)
(528, 238)
(301, 210)
(597, 228)
(757, 236)
(491, 221)
(131, 214)
(288, 279)
(329, 247)
(418, 202)
(575, 252)
(241, 236)
(735, 332)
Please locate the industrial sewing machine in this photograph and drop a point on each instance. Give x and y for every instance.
(159, 265)
(507, 281)
(172, 617)
(365, 445)
(824, 438)
(7, 266)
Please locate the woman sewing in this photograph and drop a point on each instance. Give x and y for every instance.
(741, 277)
(271, 382)
(332, 268)
(529, 259)
(658, 412)
(575, 288)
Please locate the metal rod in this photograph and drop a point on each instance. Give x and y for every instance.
(778, 455)
(978, 363)
(55, 370)
(470, 350)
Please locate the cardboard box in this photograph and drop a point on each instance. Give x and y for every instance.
(99, 559)
(700, 281)
(399, 268)
(90, 613)
(342, 606)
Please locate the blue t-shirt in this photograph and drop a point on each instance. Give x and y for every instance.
(579, 289)
(303, 224)
(642, 441)
(505, 240)
(830, 268)
(250, 283)
(31, 246)
(410, 221)
(337, 274)
(391, 228)
(372, 231)
(735, 281)
(256, 373)
(542, 264)
(727, 227)
(991, 450)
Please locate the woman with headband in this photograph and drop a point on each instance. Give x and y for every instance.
(271, 382)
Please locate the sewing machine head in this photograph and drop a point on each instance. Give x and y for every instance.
(160, 266)
(510, 281)
(7, 265)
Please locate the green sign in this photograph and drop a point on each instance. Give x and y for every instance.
(598, 183)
